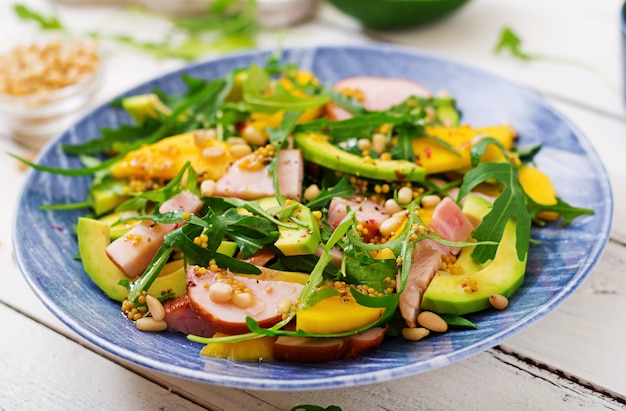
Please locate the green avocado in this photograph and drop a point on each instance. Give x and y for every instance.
(302, 240)
(317, 149)
(117, 230)
(94, 238)
(103, 201)
(144, 105)
(461, 294)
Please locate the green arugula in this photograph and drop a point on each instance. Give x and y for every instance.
(509, 40)
(510, 204)
(256, 98)
(309, 407)
(342, 188)
(45, 23)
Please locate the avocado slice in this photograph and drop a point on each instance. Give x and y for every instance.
(103, 201)
(295, 241)
(94, 238)
(144, 105)
(461, 294)
(317, 149)
(118, 230)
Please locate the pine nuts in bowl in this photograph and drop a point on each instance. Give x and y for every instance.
(45, 84)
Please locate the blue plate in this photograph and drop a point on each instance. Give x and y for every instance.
(556, 267)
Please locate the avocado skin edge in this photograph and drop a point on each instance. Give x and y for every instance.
(503, 275)
(316, 149)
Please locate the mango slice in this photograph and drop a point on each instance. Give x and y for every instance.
(539, 187)
(165, 158)
(335, 315)
(436, 158)
(259, 349)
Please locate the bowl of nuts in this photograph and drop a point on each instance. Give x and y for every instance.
(45, 85)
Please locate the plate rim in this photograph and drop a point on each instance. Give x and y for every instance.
(335, 381)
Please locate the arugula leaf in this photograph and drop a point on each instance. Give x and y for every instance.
(159, 196)
(309, 407)
(457, 321)
(110, 137)
(349, 103)
(510, 41)
(567, 211)
(45, 23)
(362, 268)
(403, 150)
(256, 86)
(510, 204)
(343, 188)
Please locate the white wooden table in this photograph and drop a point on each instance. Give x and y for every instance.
(571, 359)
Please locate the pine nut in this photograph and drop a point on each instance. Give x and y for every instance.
(311, 192)
(415, 334)
(253, 136)
(240, 150)
(379, 143)
(431, 115)
(207, 188)
(213, 152)
(499, 302)
(46, 66)
(363, 144)
(243, 300)
(234, 140)
(393, 223)
(155, 307)
(392, 207)
(220, 293)
(150, 324)
(405, 195)
(430, 201)
(202, 137)
(284, 306)
(432, 321)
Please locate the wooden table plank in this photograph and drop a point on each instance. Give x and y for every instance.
(579, 45)
(44, 370)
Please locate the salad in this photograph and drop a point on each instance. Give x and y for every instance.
(270, 216)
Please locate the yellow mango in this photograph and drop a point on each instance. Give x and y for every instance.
(261, 121)
(426, 214)
(383, 254)
(539, 187)
(269, 274)
(259, 349)
(436, 158)
(165, 158)
(335, 315)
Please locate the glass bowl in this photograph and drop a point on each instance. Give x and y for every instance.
(31, 114)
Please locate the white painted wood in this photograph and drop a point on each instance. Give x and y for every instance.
(584, 36)
(489, 381)
(43, 367)
(582, 339)
(43, 370)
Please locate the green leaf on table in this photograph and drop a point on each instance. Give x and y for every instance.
(512, 42)
(44, 22)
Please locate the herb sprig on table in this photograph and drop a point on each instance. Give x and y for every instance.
(511, 42)
(227, 25)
